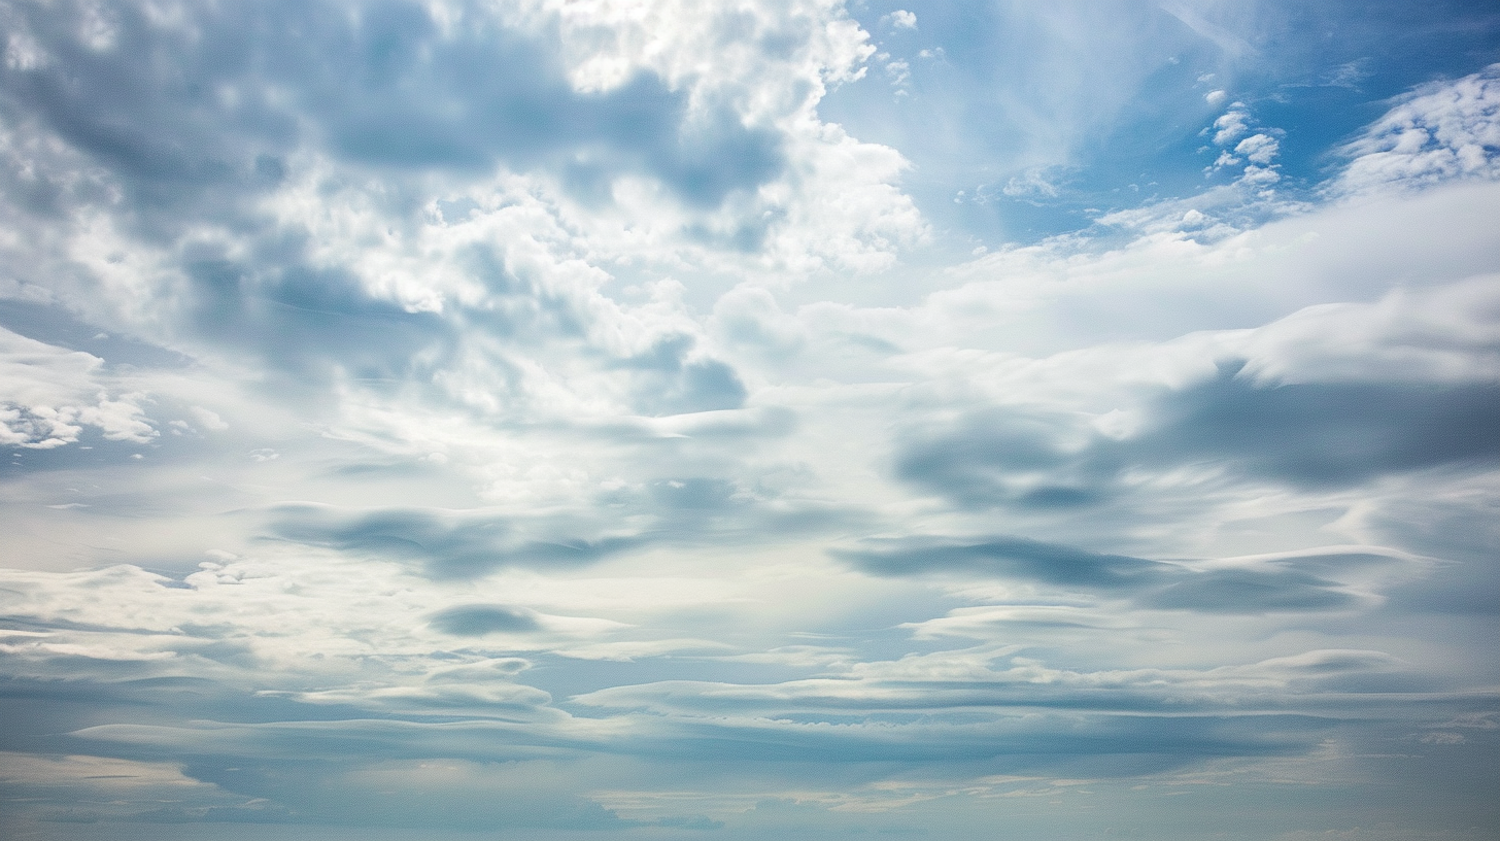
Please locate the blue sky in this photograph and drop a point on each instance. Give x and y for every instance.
(796, 419)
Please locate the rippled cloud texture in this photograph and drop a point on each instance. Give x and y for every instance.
(759, 419)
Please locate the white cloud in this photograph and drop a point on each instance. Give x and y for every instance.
(209, 419)
(1231, 125)
(1031, 183)
(1441, 131)
(82, 788)
(1258, 148)
(900, 75)
(49, 395)
(1230, 42)
(901, 19)
(1447, 334)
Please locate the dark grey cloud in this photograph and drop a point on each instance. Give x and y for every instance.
(1251, 591)
(974, 461)
(697, 387)
(301, 322)
(476, 620)
(1311, 436)
(698, 510)
(1282, 585)
(671, 384)
(1006, 557)
(1324, 434)
(149, 108)
(447, 545)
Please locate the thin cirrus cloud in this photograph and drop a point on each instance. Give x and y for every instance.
(769, 419)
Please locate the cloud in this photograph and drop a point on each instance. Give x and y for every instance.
(390, 86)
(252, 639)
(1330, 396)
(1306, 435)
(49, 396)
(1258, 148)
(1232, 125)
(1262, 586)
(478, 620)
(1325, 434)
(901, 19)
(411, 793)
(1258, 151)
(287, 151)
(1050, 563)
(121, 789)
(1225, 39)
(1032, 183)
(676, 387)
(46, 322)
(1438, 132)
(448, 544)
(1249, 591)
(987, 707)
(605, 404)
(1447, 334)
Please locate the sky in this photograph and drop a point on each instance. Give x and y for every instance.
(797, 419)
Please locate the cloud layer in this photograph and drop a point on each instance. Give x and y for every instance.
(772, 419)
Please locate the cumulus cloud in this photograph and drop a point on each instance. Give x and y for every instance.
(1257, 149)
(1231, 126)
(49, 396)
(902, 19)
(255, 169)
(1439, 132)
(1253, 189)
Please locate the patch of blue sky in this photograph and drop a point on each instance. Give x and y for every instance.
(1015, 117)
